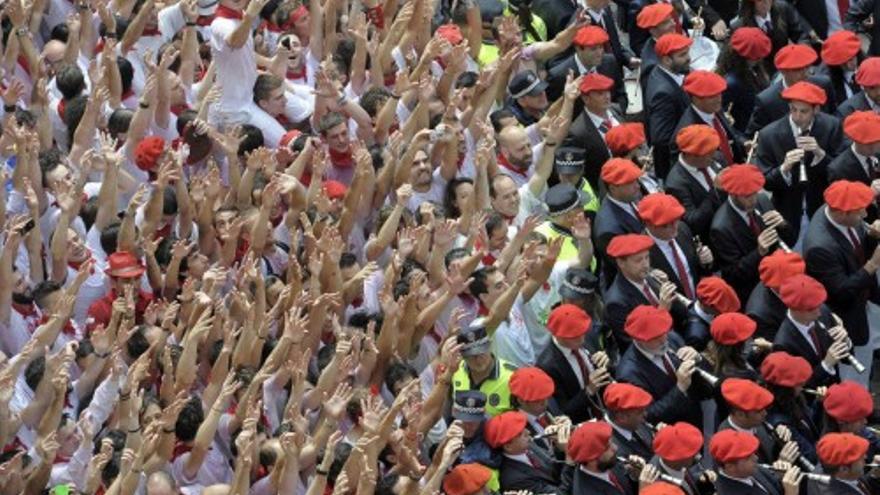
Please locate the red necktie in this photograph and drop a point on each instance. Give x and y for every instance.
(705, 172)
(815, 338)
(753, 224)
(725, 144)
(585, 372)
(842, 7)
(614, 481)
(668, 366)
(533, 461)
(543, 421)
(857, 245)
(649, 295)
(681, 271)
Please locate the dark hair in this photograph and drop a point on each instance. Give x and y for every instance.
(479, 286)
(330, 120)
(265, 84)
(398, 371)
(60, 32)
(498, 115)
(89, 211)
(386, 484)
(119, 121)
(110, 238)
(467, 80)
(33, 372)
(730, 62)
(49, 160)
(74, 110)
(70, 81)
(494, 222)
(452, 211)
(454, 254)
(44, 289)
(169, 201)
(126, 73)
(252, 138)
(189, 420)
(137, 344)
(373, 99)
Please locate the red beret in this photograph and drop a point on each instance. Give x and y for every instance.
(844, 195)
(628, 245)
(703, 84)
(334, 189)
(451, 33)
(568, 321)
(732, 328)
(806, 92)
(862, 127)
(590, 36)
(678, 442)
(751, 43)
(671, 43)
(841, 449)
(848, 402)
(868, 74)
(623, 138)
(742, 180)
(289, 136)
(779, 267)
(732, 445)
(620, 171)
(661, 487)
(795, 56)
(783, 369)
(646, 323)
(620, 396)
(697, 139)
(148, 151)
(503, 428)
(745, 395)
(840, 47)
(595, 82)
(653, 15)
(589, 441)
(466, 479)
(718, 295)
(531, 384)
(660, 209)
(802, 293)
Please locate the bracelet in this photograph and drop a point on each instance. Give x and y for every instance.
(321, 472)
(167, 430)
(21, 31)
(191, 24)
(104, 355)
(10, 108)
(143, 105)
(342, 101)
(135, 430)
(395, 95)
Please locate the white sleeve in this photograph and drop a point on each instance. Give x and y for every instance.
(102, 402)
(170, 21)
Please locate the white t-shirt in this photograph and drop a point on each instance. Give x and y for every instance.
(236, 67)
(511, 341)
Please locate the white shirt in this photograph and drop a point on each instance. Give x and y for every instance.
(573, 362)
(434, 194)
(599, 121)
(834, 15)
(666, 248)
(627, 207)
(697, 174)
(659, 360)
(867, 163)
(627, 434)
(236, 65)
(708, 118)
(766, 22)
(678, 78)
(511, 341)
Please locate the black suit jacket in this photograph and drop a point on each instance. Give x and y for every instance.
(734, 137)
(832, 261)
(847, 166)
(770, 106)
(573, 400)
(649, 61)
(736, 246)
(788, 27)
(611, 220)
(856, 103)
(580, 483)
(815, 13)
(665, 103)
(768, 311)
(728, 486)
(838, 83)
(699, 204)
(608, 67)
(515, 475)
(837, 487)
(859, 11)
(768, 448)
(670, 404)
(621, 298)
(556, 14)
(696, 330)
(583, 134)
(790, 340)
(640, 443)
(739, 97)
(774, 142)
(685, 240)
(622, 53)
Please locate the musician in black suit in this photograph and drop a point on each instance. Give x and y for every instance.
(841, 256)
(777, 18)
(859, 19)
(843, 456)
(524, 465)
(705, 90)
(714, 296)
(764, 305)
(859, 161)
(693, 177)
(659, 363)
(597, 471)
(840, 59)
(600, 15)
(685, 19)
(617, 214)
(531, 391)
(741, 64)
(748, 403)
(738, 474)
(805, 330)
(745, 228)
(847, 408)
(794, 63)
(656, 19)
(677, 447)
(588, 130)
(674, 251)
(804, 142)
(625, 406)
(632, 286)
(665, 100)
(868, 79)
(577, 374)
(589, 57)
(821, 16)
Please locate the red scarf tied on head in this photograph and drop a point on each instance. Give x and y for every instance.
(225, 12)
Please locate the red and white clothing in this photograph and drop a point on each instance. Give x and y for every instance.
(236, 65)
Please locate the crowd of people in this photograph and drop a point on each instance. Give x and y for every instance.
(466, 247)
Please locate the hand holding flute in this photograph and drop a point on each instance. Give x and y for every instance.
(646, 473)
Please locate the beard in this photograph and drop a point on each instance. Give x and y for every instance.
(607, 465)
(25, 298)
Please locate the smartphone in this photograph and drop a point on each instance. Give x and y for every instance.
(27, 227)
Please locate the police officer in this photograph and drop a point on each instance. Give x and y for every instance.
(564, 205)
(469, 412)
(569, 163)
(481, 370)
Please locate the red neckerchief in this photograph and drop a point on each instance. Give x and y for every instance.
(440, 61)
(60, 108)
(14, 445)
(390, 79)
(25, 66)
(99, 46)
(164, 232)
(306, 179)
(489, 259)
(180, 448)
(283, 120)
(357, 302)
(204, 20)
(297, 74)
(128, 94)
(179, 109)
(242, 249)
(272, 27)
(61, 459)
(151, 32)
(77, 264)
(25, 310)
(483, 311)
(502, 160)
(341, 159)
(225, 12)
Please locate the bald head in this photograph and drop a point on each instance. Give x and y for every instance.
(514, 144)
(161, 483)
(53, 51)
(216, 490)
